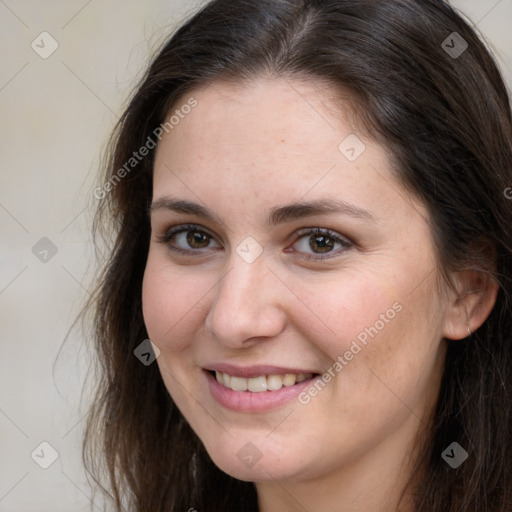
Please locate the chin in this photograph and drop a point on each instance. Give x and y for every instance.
(251, 464)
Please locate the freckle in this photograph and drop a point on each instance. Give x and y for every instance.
(282, 140)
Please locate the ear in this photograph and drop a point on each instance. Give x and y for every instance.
(470, 303)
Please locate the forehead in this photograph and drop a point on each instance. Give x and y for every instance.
(269, 142)
(232, 121)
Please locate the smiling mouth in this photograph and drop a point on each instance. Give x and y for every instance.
(262, 383)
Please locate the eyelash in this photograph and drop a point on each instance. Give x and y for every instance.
(169, 234)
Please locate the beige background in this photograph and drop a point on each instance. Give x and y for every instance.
(55, 114)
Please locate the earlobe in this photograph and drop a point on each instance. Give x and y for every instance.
(471, 304)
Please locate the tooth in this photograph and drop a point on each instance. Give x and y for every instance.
(262, 383)
(257, 384)
(238, 384)
(274, 382)
(289, 379)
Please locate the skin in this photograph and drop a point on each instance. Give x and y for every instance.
(247, 148)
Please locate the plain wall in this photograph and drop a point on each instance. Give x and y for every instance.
(55, 115)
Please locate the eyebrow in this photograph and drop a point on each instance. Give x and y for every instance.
(277, 215)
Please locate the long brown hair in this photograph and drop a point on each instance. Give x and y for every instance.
(441, 109)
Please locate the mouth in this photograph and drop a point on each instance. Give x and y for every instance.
(262, 383)
(256, 389)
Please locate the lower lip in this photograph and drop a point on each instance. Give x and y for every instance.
(247, 401)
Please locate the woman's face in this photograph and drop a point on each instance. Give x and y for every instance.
(295, 252)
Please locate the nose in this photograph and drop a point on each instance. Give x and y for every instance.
(247, 306)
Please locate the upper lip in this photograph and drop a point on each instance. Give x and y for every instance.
(255, 370)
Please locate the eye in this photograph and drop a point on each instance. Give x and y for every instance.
(320, 243)
(187, 238)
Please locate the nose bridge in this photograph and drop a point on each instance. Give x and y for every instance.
(244, 304)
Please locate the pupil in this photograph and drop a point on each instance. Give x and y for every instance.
(323, 243)
(196, 239)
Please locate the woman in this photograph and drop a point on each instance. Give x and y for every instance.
(313, 230)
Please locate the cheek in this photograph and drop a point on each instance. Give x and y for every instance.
(375, 329)
(170, 303)
(356, 307)
(390, 353)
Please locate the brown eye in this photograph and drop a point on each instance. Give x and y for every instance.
(321, 243)
(197, 239)
(187, 239)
